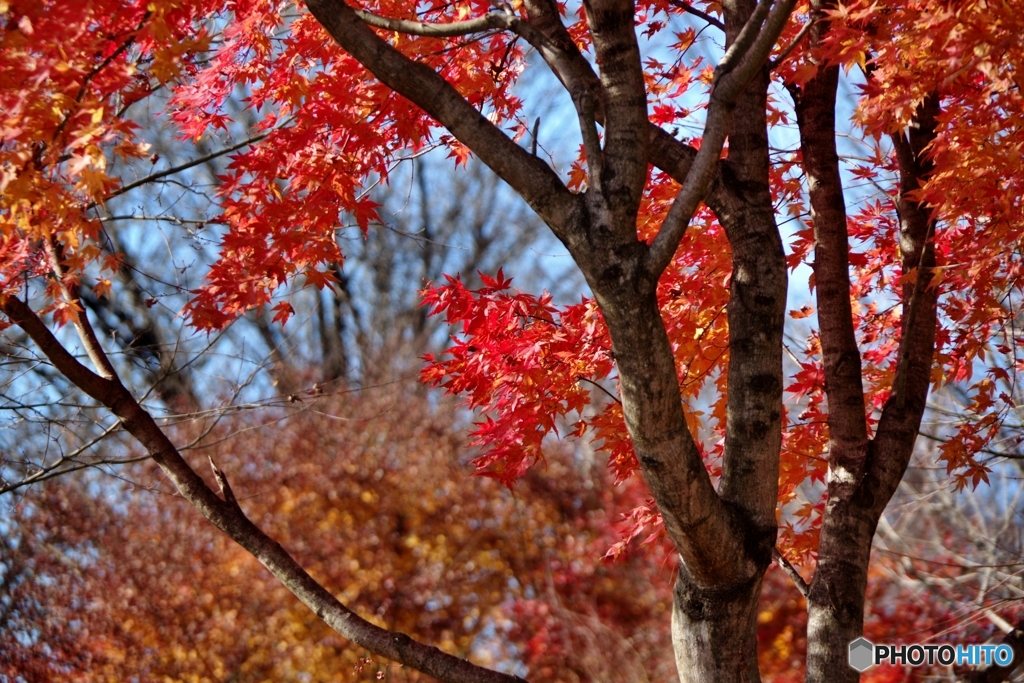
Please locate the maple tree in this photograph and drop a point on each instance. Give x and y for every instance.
(915, 285)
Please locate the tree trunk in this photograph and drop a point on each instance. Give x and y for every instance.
(714, 632)
(835, 602)
(863, 475)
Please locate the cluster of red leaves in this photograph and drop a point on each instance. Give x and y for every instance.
(68, 72)
(536, 370)
(523, 361)
(328, 127)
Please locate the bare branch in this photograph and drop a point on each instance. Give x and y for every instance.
(222, 481)
(690, 9)
(85, 379)
(791, 572)
(74, 466)
(489, 22)
(228, 517)
(601, 387)
(591, 142)
(57, 467)
(182, 167)
(81, 318)
(785, 52)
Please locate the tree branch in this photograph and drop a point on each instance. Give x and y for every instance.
(489, 22)
(222, 482)
(228, 517)
(735, 52)
(791, 572)
(182, 167)
(858, 493)
(733, 73)
(86, 333)
(20, 314)
(785, 52)
(56, 469)
(901, 416)
(591, 141)
(546, 34)
(815, 108)
(690, 9)
(625, 108)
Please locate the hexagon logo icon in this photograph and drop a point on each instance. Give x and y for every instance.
(862, 653)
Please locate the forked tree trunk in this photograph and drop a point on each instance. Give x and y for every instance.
(863, 472)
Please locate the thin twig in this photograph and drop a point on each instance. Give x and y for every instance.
(791, 571)
(592, 382)
(690, 9)
(789, 48)
(183, 167)
(222, 481)
(53, 474)
(53, 470)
